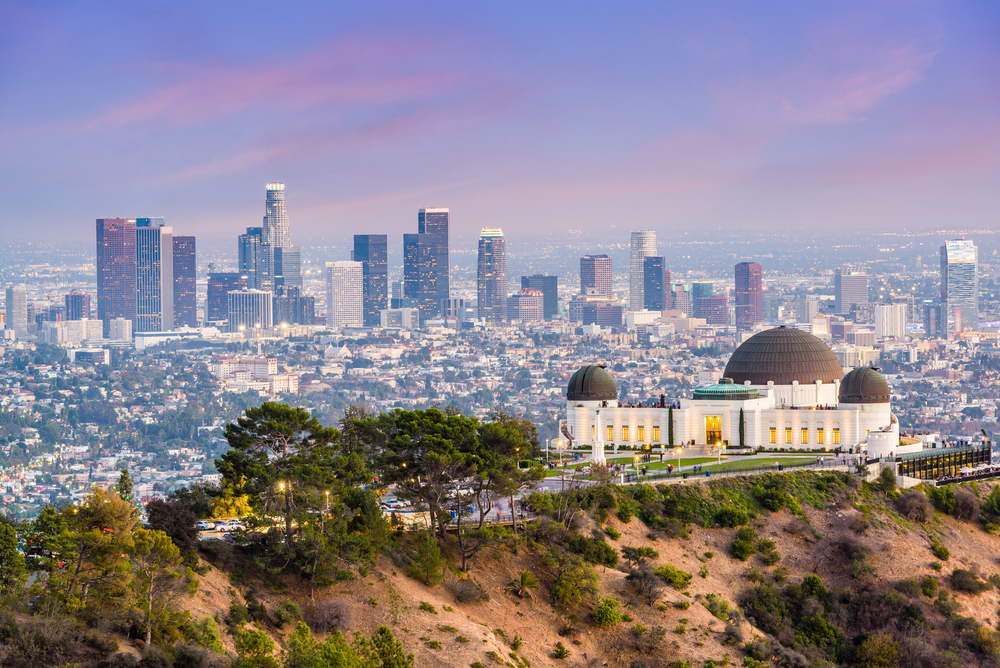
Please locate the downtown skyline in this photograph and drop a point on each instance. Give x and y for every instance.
(856, 116)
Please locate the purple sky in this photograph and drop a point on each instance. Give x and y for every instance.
(527, 116)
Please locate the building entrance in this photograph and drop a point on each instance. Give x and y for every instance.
(713, 429)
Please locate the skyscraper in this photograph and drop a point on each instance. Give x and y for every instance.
(185, 282)
(250, 255)
(701, 290)
(549, 285)
(491, 276)
(959, 286)
(17, 309)
(642, 245)
(595, 272)
(116, 271)
(220, 284)
(287, 267)
(250, 309)
(655, 284)
(528, 305)
(154, 258)
(749, 295)
(77, 306)
(420, 274)
(850, 289)
(372, 251)
(714, 309)
(435, 222)
(890, 321)
(345, 296)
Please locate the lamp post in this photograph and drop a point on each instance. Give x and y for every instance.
(719, 445)
(677, 451)
(635, 463)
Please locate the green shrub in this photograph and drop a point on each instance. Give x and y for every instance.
(427, 607)
(940, 551)
(929, 586)
(943, 499)
(908, 587)
(608, 613)
(613, 533)
(594, 550)
(287, 612)
(968, 582)
(626, 510)
(635, 556)
(728, 516)
(674, 576)
(772, 499)
(560, 652)
(744, 545)
(428, 564)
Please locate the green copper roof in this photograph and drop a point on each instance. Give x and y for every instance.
(727, 390)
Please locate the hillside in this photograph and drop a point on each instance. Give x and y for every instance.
(846, 533)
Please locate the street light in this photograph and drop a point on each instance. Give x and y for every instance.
(678, 451)
(719, 445)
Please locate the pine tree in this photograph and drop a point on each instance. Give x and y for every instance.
(124, 486)
(12, 570)
(670, 426)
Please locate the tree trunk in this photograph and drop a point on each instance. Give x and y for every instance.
(513, 515)
(149, 616)
(288, 515)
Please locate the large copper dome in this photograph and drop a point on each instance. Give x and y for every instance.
(864, 385)
(592, 383)
(783, 355)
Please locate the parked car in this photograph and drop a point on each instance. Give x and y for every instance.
(205, 526)
(229, 526)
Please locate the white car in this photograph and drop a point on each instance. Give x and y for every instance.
(205, 526)
(229, 526)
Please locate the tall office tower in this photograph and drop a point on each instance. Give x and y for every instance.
(372, 251)
(595, 272)
(154, 266)
(292, 308)
(345, 294)
(850, 289)
(77, 306)
(749, 295)
(528, 305)
(17, 309)
(276, 231)
(642, 245)
(116, 286)
(491, 276)
(702, 289)
(890, 321)
(960, 286)
(714, 309)
(420, 275)
(933, 327)
(185, 282)
(250, 256)
(680, 299)
(436, 222)
(250, 309)
(549, 285)
(220, 284)
(655, 284)
(287, 267)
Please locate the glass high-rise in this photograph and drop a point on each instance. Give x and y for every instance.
(250, 309)
(641, 246)
(655, 284)
(154, 260)
(491, 276)
(749, 295)
(595, 272)
(420, 275)
(116, 271)
(77, 306)
(17, 309)
(250, 255)
(549, 285)
(345, 295)
(287, 263)
(372, 251)
(220, 284)
(185, 282)
(960, 286)
(849, 289)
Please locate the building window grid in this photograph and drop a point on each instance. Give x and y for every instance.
(640, 434)
(656, 434)
(836, 435)
(773, 435)
(804, 436)
(625, 433)
(820, 438)
(611, 432)
(788, 435)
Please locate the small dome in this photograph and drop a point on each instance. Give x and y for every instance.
(783, 355)
(592, 383)
(727, 390)
(864, 385)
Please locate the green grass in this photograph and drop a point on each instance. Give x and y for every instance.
(765, 461)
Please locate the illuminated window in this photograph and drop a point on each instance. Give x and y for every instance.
(773, 435)
(819, 436)
(836, 435)
(788, 435)
(625, 433)
(611, 432)
(805, 435)
(656, 434)
(593, 432)
(640, 434)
